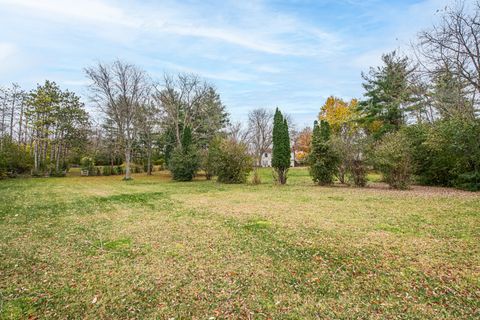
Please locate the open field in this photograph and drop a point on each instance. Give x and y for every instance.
(100, 248)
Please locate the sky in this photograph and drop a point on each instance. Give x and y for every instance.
(286, 54)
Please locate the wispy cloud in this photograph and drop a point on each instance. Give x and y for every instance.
(91, 11)
(281, 35)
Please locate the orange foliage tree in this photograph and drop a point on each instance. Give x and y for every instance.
(302, 144)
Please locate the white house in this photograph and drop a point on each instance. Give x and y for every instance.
(267, 159)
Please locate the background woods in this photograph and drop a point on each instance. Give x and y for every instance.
(418, 122)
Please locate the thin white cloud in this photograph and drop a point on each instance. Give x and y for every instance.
(259, 30)
(93, 11)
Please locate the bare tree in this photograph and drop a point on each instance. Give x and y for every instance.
(12, 111)
(454, 44)
(15, 101)
(177, 98)
(147, 123)
(4, 98)
(120, 90)
(292, 127)
(186, 100)
(237, 133)
(260, 123)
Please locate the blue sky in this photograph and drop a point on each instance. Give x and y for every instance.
(290, 54)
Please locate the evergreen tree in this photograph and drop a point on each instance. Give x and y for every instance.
(322, 159)
(168, 143)
(450, 95)
(389, 94)
(185, 159)
(186, 139)
(210, 157)
(281, 147)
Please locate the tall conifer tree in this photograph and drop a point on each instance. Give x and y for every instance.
(323, 160)
(281, 147)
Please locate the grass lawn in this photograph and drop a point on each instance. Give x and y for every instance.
(101, 248)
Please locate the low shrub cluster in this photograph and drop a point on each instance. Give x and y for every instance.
(446, 153)
(392, 157)
(14, 159)
(234, 163)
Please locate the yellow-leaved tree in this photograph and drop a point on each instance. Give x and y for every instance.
(347, 137)
(338, 113)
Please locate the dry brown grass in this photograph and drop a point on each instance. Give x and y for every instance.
(100, 248)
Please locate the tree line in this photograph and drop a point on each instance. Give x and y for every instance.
(417, 121)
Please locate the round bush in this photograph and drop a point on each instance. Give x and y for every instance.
(184, 164)
(392, 157)
(234, 163)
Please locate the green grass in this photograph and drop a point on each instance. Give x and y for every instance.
(101, 248)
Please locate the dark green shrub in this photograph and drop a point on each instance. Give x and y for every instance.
(145, 167)
(454, 145)
(107, 171)
(58, 173)
(37, 173)
(210, 158)
(234, 163)
(469, 181)
(447, 152)
(323, 159)
(158, 162)
(392, 157)
(184, 164)
(185, 160)
(14, 158)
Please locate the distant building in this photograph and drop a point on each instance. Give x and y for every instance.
(267, 159)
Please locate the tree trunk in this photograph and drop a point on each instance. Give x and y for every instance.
(127, 163)
(45, 150)
(2, 132)
(149, 161)
(53, 152)
(12, 114)
(281, 175)
(20, 124)
(35, 155)
(57, 160)
(25, 136)
(341, 173)
(177, 133)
